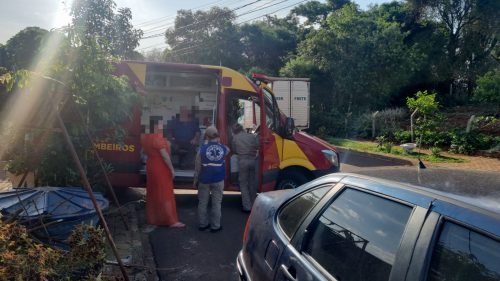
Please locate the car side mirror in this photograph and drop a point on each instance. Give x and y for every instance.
(289, 127)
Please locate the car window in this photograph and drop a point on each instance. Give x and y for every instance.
(291, 215)
(357, 236)
(271, 115)
(463, 254)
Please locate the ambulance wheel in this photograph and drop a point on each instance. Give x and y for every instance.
(291, 181)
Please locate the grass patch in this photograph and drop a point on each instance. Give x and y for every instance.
(396, 150)
(347, 143)
(426, 157)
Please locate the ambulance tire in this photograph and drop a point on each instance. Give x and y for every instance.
(291, 181)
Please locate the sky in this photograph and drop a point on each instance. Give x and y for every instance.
(152, 16)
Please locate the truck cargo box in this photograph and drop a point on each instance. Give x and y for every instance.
(292, 96)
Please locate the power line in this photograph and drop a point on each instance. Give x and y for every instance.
(195, 23)
(153, 21)
(256, 10)
(259, 8)
(190, 49)
(152, 46)
(300, 2)
(187, 50)
(171, 21)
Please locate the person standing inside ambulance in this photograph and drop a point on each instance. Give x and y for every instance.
(186, 137)
(160, 200)
(246, 146)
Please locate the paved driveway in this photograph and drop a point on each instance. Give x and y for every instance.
(190, 254)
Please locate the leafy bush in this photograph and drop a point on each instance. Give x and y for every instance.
(469, 143)
(436, 151)
(487, 141)
(402, 136)
(428, 119)
(463, 143)
(87, 255)
(487, 124)
(321, 132)
(327, 123)
(387, 147)
(362, 126)
(488, 87)
(436, 138)
(25, 259)
(387, 122)
(384, 144)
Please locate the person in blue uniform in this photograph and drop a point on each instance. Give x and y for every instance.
(186, 135)
(210, 171)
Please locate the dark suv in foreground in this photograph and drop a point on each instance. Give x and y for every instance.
(349, 227)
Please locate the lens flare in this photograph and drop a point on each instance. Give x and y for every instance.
(29, 108)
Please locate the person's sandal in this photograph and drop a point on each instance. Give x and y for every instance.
(177, 225)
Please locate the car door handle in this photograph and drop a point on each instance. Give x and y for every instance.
(266, 141)
(287, 273)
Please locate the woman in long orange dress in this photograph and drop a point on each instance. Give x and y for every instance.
(160, 201)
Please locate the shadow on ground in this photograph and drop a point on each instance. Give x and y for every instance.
(366, 160)
(190, 254)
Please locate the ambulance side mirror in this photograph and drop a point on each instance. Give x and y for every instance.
(289, 127)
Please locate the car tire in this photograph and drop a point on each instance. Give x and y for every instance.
(291, 181)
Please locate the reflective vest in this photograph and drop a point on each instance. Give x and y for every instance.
(213, 167)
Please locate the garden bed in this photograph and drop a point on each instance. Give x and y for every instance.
(366, 146)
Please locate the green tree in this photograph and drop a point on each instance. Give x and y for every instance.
(313, 11)
(21, 49)
(114, 32)
(125, 36)
(155, 55)
(428, 118)
(3, 57)
(471, 34)
(82, 73)
(205, 37)
(267, 44)
(316, 12)
(488, 88)
(364, 58)
(424, 102)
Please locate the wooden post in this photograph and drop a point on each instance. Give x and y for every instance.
(374, 119)
(87, 186)
(99, 160)
(411, 125)
(469, 124)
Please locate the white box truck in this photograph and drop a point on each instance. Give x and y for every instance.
(292, 96)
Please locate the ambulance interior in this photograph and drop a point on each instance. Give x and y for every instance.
(185, 104)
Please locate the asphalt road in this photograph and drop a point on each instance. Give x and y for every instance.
(189, 254)
(470, 183)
